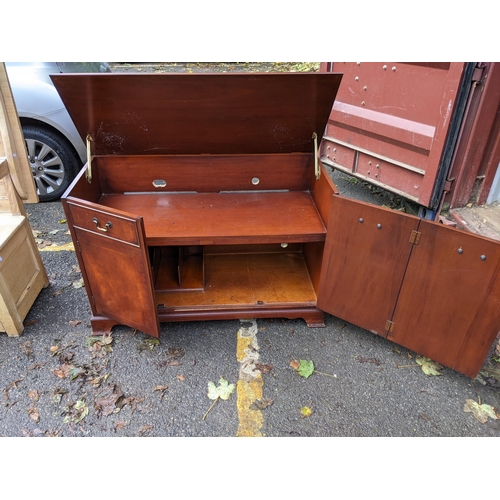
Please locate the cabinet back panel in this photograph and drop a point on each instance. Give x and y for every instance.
(204, 173)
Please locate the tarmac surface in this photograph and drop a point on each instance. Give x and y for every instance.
(58, 380)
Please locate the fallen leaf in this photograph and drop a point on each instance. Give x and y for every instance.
(33, 394)
(369, 360)
(181, 377)
(305, 411)
(144, 429)
(57, 395)
(27, 349)
(222, 391)
(429, 367)
(76, 412)
(481, 412)
(295, 364)
(75, 322)
(263, 368)
(63, 371)
(148, 344)
(121, 424)
(31, 322)
(160, 388)
(106, 401)
(33, 414)
(306, 368)
(175, 352)
(261, 404)
(78, 283)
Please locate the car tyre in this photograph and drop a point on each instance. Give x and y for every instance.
(53, 162)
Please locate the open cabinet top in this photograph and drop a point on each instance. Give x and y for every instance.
(230, 113)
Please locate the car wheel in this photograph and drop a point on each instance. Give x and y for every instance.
(52, 160)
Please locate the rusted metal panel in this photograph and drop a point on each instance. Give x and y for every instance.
(390, 124)
(366, 254)
(449, 305)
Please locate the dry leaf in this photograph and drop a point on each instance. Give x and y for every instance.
(481, 412)
(121, 424)
(263, 368)
(34, 415)
(75, 322)
(33, 394)
(63, 371)
(106, 401)
(144, 429)
(295, 364)
(261, 404)
(181, 377)
(160, 388)
(429, 367)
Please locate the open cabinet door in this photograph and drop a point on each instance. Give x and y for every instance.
(428, 287)
(366, 254)
(115, 264)
(449, 305)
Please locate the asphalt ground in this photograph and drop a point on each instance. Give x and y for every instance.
(57, 380)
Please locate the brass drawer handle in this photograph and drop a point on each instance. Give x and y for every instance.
(104, 229)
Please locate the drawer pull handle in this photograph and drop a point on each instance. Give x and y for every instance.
(103, 229)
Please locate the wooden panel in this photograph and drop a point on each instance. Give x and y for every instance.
(248, 280)
(199, 113)
(364, 265)
(12, 143)
(115, 226)
(204, 173)
(449, 307)
(118, 279)
(206, 218)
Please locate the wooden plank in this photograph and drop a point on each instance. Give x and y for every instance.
(12, 144)
(203, 173)
(247, 280)
(225, 218)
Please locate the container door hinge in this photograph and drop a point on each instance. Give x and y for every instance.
(389, 326)
(415, 237)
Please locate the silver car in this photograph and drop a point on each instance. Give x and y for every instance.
(56, 151)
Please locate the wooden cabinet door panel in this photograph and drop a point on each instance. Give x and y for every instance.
(366, 253)
(449, 305)
(116, 267)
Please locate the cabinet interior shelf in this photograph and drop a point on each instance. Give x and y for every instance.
(223, 218)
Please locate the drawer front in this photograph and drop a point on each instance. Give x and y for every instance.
(104, 223)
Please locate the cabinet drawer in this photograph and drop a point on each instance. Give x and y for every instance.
(103, 223)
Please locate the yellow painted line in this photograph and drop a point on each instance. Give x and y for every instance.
(57, 248)
(250, 383)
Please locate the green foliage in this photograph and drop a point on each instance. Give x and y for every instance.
(306, 368)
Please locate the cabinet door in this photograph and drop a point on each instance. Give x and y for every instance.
(428, 287)
(449, 305)
(115, 265)
(366, 253)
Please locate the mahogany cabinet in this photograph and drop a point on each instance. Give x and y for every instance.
(203, 198)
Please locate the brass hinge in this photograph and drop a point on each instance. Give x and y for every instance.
(316, 162)
(88, 173)
(389, 326)
(415, 237)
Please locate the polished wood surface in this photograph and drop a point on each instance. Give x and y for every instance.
(364, 265)
(245, 113)
(449, 306)
(223, 218)
(118, 278)
(204, 173)
(247, 280)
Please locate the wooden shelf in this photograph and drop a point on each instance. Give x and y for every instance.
(223, 218)
(247, 280)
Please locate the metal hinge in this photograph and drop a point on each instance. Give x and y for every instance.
(415, 237)
(389, 326)
(477, 76)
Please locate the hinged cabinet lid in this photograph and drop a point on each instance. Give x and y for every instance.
(233, 113)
